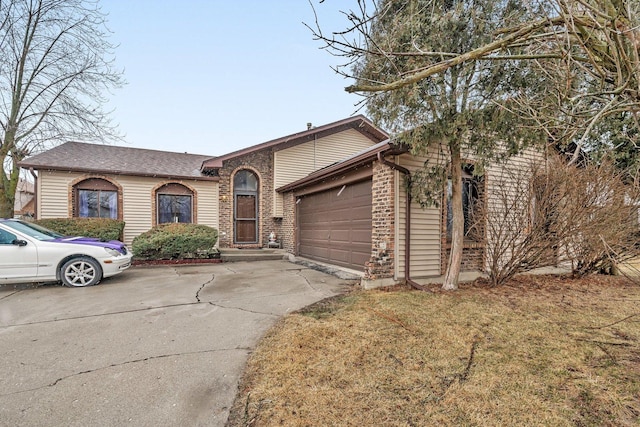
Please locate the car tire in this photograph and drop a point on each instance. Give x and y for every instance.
(80, 271)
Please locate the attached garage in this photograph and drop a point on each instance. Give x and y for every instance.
(334, 225)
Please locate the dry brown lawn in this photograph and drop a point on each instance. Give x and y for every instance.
(542, 351)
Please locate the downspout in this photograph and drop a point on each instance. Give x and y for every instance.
(407, 228)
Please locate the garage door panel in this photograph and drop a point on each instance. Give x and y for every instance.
(350, 214)
(351, 228)
(340, 239)
(342, 201)
(355, 248)
(363, 237)
(346, 257)
(334, 226)
(341, 256)
(315, 252)
(350, 237)
(360, 257)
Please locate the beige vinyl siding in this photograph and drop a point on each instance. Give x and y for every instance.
(137, 209)
(501, 177)
(292, 164)
(137, 197)
(426, 223)
(425, 228)
(53, 194)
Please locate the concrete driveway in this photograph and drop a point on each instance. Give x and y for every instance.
(154, 346)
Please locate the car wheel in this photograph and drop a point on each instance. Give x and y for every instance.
(81, 271)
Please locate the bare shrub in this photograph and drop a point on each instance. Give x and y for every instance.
(601, 216)
(546, 213)
(518, 218)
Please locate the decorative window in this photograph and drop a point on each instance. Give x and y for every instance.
(245, 180)
(96, 198)
(470, 197)
(174, 203)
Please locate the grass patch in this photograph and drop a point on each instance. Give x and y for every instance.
(543, 351)
(327, 307)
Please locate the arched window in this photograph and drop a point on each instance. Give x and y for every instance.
(95, 198)
(245, 180)
(174, 203)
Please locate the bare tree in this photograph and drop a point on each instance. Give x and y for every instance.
(55, 69)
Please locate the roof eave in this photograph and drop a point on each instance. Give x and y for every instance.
(117, 172)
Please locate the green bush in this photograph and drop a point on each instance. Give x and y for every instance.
(101, 228)
(176, 241)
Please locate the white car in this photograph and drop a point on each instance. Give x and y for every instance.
(30, 253)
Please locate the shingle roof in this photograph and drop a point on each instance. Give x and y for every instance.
(99, 158)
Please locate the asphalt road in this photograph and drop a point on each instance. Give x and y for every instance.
(154, 346)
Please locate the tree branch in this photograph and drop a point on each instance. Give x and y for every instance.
(472, 55)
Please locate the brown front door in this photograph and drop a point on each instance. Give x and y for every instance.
(246, 221)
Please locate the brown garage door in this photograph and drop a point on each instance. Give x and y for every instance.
(334, 226)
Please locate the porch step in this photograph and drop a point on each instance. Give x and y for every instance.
(236, 255)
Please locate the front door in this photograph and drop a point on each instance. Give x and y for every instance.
(245, 207)
(246, 223)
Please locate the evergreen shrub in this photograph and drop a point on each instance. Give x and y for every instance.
(101, 228)
(176, 241)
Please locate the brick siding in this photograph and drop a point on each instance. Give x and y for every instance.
(381, 263)
(260, 163)
(288, 226)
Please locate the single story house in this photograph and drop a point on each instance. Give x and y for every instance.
(333, 193)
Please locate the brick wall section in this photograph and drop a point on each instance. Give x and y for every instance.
(381, 263)
(287, 232)
(261, 163)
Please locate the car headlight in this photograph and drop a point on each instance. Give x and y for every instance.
(112, 252)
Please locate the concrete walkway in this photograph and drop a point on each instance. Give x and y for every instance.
(154, 346)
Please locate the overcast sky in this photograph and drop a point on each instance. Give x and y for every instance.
(214, 76)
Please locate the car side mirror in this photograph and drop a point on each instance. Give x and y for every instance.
(18, 242)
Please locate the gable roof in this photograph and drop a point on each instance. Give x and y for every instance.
(110, 159)
(345, 165)
(359, 123)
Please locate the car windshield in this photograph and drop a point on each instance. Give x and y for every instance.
(33, 230)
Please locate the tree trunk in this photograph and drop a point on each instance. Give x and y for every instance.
(8, 186)
(457, 232)
(8, 182)
(6, 205)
